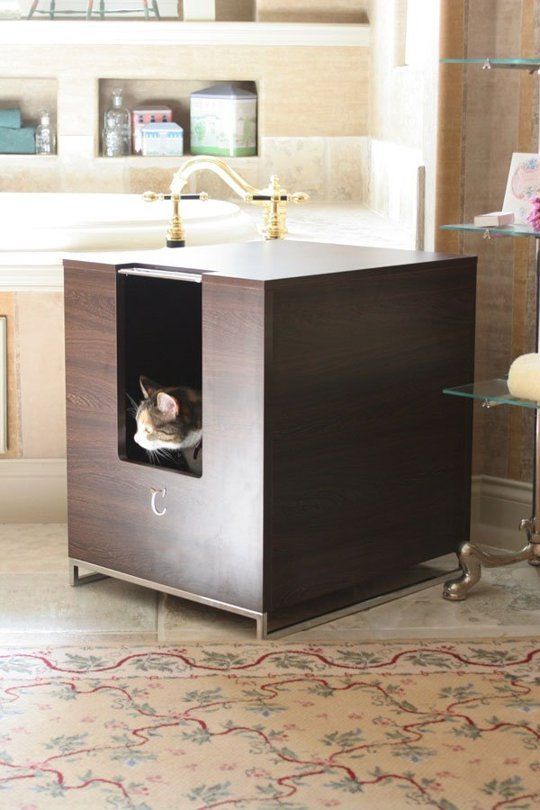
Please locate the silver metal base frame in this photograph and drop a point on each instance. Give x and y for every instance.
(261, 619)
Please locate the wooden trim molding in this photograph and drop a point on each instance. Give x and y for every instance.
(3, 384)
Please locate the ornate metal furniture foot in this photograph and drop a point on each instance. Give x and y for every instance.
(472, 558)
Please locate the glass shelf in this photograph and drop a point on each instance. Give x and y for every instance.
(507, 230)
(531, 64)
(491, 393)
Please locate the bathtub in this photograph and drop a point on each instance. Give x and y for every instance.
(82, 222)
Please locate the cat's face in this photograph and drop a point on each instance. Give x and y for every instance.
(158, 424)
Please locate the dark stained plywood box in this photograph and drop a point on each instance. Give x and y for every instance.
(333, 466)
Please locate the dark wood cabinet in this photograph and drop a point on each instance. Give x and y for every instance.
(332, 463)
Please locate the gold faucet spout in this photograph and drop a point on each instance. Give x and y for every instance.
(274, 198)
(220, 167)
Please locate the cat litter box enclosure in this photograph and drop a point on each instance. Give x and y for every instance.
(333, 468)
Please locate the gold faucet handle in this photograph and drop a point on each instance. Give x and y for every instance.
(298, 197)
(153, 196)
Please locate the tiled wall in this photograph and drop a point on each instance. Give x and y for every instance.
(291, 107)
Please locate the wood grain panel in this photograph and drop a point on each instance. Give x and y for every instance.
(210, 540)
(370, 462)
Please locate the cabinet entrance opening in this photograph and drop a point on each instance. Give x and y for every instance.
(160, 369)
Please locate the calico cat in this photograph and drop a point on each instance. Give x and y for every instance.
(170, 419)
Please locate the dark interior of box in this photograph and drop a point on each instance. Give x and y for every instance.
(160, 337)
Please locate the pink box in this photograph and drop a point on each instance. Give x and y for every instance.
(147, 115)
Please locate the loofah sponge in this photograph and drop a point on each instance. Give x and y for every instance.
(524, 377)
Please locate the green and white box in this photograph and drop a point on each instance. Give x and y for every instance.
(224, 121)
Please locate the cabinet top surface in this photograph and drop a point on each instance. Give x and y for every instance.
(267, 261)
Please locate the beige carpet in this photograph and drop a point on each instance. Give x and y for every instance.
(454, 725)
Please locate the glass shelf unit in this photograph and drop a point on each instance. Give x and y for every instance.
(491, 393)
(507, 230)
(531, 64)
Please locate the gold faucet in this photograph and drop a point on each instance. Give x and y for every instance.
(274, 198)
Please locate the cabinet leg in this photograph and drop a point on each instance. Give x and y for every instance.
(262, 628)
(76, 579)
(472, 557)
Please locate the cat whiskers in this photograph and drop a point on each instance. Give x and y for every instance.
(132, 410)
(161, 454)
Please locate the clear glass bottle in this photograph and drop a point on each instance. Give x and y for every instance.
(45, 135)
(117, 127)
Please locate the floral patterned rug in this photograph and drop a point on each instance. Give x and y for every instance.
(376, 726)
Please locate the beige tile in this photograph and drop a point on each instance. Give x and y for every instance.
(41, 368)
(77, 104)
(353, 628)
(505, 602)
(180, 620)
(300, 164)
(46, 603)
(346, 168)
(33, 548)
(30, 173)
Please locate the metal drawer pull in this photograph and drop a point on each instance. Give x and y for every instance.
(174, 275)
(155, 493)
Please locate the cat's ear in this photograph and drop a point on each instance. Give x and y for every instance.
(148, 386)
(167, 406)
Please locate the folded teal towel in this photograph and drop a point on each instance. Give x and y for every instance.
(10, 118)
(17, 141)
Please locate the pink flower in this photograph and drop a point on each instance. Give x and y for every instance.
(534, 214)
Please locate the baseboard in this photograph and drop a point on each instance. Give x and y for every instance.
(498, 505)
(33, 490)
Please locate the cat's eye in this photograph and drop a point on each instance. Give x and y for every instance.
(148, 430)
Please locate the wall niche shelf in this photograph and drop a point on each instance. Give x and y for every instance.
(30, 96)
(173, 93)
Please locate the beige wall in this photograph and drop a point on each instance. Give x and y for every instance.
(403, 114)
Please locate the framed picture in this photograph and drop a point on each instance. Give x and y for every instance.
(523, 185)
(3, 384)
